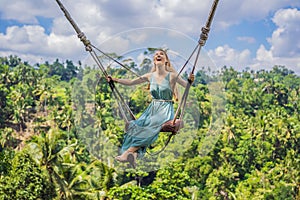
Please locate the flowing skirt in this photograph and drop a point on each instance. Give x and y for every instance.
(144, 131)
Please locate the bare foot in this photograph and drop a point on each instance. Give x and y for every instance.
(128, 156)
(123, 157)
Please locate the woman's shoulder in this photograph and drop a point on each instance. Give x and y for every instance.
(173, 74)
(147, 75)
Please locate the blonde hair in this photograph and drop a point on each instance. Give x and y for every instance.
(169, 68)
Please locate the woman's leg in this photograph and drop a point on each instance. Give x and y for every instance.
(133, 149)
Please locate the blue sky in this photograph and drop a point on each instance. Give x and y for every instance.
(257, 34)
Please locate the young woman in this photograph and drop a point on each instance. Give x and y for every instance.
(143, 131)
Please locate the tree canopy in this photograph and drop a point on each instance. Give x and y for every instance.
(59, 124)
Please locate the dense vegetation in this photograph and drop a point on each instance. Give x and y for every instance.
(55, 117)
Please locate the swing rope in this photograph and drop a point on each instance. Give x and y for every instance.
(203, 37)
(89, 47)
(116, 61)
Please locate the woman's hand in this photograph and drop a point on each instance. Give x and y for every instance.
(191, 78)
(109, 79)
(128, 82)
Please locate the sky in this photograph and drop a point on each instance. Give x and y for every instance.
(248, 34)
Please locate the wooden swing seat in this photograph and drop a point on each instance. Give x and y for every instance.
(170, 127)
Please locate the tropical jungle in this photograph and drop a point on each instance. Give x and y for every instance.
(60, 128)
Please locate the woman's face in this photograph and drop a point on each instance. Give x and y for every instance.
(160, 58)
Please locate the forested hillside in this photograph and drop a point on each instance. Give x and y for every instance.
(60, 128)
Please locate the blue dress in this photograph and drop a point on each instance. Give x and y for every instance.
(144, 131)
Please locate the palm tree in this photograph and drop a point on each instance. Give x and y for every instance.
(19, 104)
(59, 158)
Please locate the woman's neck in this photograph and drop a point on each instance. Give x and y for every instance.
(160, 69)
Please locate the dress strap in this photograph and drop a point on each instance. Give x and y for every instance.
(168, 76)
(152, 78)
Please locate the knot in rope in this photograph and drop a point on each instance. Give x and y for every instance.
(85, 41)
(204, 35)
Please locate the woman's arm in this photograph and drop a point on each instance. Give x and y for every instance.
(182, 82)
(130, 82)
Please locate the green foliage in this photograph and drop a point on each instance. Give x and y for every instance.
(128, 192)
(48, 151)
(25, 180)
(6, 157)
(66, 72)
(170, 182)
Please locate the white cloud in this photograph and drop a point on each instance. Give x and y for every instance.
(62, 27)
(225, 55)
(249, 40)
(103, 20)
(285, 43)
(263, 55)
(285, 39)
(266, 60)
(33, 40)
(27, 11)
(284, 46)
(138, 38)
(115, 44)
(141, 57)
(21, 38)
(235, 11)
